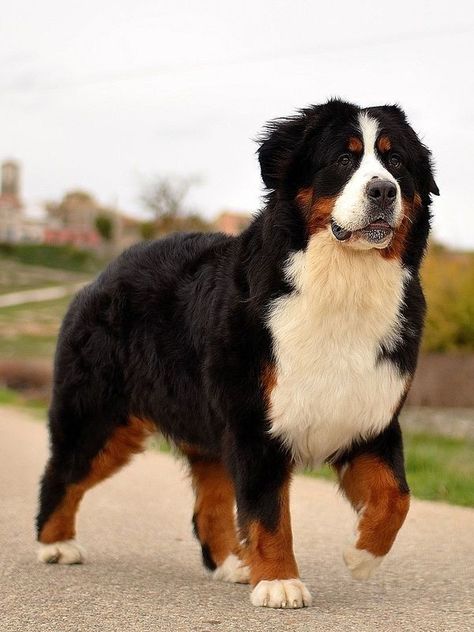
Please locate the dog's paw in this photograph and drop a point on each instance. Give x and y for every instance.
(361, 563)
(232, 570)
(281, 593)
(66, 552)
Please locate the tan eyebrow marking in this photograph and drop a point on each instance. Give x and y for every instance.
(384, 144)
(355, 144)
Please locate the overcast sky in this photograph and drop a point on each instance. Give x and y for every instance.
(104, 94)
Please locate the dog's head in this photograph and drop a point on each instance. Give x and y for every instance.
(361, 174)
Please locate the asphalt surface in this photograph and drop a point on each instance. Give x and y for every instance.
(143, 570)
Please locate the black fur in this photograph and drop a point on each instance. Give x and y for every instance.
(207, 559)
(174, 330)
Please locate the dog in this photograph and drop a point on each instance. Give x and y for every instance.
(294, 343)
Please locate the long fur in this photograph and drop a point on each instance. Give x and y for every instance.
(278, 346)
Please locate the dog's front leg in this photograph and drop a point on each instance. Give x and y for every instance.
(372, 477)
(262, 478)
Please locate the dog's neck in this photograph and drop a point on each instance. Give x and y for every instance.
(280, 230)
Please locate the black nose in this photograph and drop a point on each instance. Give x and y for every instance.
(382, 192)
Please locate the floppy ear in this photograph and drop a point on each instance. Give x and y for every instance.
(429, 176)
(433, 187)
(277, 144)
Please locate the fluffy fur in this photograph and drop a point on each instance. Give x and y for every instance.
(293, 342)
(331, 389)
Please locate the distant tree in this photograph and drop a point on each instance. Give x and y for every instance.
(147, 230)
(104, 226)
(165, 197)
(448, 280)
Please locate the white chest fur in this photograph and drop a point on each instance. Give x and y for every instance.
(330, 389)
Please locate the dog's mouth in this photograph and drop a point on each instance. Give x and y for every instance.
(377, 232)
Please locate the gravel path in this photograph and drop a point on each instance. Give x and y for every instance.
(143, 570)
(40, 294)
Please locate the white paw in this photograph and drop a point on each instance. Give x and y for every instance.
(232, 570)
(281, 593)
(66, 552)
(360, 562)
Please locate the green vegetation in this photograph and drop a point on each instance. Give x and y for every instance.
(104, 226)
(147, 230)
(12, 398)
(15, 276)
(448, 280)
(27, 346)
(30, 330)
(438, 468)
(9, 397)
(60, 257)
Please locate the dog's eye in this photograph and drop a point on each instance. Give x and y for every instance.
(395, 161)
(344, 160)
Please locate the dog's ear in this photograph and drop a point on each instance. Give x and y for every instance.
(426, 165)
(433, 187)
(426, 168)
(278, 142)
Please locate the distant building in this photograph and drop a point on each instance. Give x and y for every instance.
(11, 179)
(10, 203)
(232, 223)
(72, 221)
(18, 223)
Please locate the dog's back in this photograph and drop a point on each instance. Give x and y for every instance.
(293, 342)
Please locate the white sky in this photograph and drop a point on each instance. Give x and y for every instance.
(104, 94)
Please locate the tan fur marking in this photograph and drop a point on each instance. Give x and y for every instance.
(214, 509)
(61, 524)
(384, 144)
(397, 246)
(191, 452)
(370, 486)
(304, 198)
(270, 553)
(269, 381)
(125, 441)
(355, 144)
(317, 210)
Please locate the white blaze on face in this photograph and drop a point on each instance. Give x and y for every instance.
(350, 209)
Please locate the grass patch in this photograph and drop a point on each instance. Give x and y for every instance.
(59, 257)
(27, 346)
(438, 468)
(8, 397)
(157, 442)
(17, 277)
(54, 308)
(30, 330)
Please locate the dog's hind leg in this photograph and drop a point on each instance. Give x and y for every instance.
(74, 467)
(213, 519)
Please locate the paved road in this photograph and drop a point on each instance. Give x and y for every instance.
(143, 571)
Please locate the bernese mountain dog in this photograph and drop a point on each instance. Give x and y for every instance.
(294, 343)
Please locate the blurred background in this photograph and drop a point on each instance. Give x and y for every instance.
(122, 121)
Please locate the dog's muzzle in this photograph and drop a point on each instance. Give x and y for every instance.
(376, 232)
